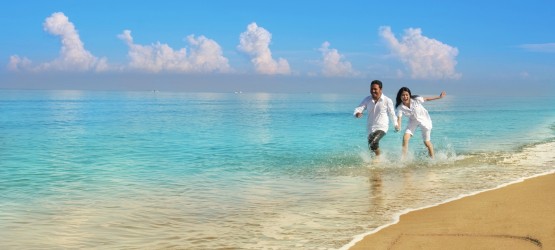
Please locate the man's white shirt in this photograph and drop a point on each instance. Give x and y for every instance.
(378, 112)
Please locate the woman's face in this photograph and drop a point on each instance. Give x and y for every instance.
(405, 97)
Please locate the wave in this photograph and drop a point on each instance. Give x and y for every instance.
(360, 161)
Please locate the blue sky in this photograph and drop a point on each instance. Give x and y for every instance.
(281, 46)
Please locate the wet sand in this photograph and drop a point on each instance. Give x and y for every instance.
(517, 216)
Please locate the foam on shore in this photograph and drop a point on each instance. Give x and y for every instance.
(536, 154)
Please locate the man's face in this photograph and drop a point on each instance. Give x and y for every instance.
(375, 91)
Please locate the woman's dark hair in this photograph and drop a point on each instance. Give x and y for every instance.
(398, 101)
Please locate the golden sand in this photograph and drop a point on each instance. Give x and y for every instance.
(518, 216)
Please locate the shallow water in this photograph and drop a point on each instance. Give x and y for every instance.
(241, 171)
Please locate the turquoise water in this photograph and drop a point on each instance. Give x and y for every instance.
(158, 170)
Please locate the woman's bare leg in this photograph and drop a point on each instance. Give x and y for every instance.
(406, 139)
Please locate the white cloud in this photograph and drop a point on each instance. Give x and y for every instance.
(333, 63)
(426, 58)
(255, 42)
(205, 55)
(73, 55)
(540, 47)
(17, 63)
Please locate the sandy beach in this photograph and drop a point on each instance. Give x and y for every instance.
(517, 216)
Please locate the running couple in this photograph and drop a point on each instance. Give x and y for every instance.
(380, 109)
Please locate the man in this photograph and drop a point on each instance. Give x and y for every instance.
(379, 107)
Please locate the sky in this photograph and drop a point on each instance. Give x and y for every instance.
(279, 46)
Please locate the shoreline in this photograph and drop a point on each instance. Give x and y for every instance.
(410, 228)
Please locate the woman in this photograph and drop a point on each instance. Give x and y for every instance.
(411, 106)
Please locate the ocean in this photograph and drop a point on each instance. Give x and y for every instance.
(161, 170)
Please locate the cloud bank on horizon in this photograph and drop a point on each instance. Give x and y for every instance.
(333, 63)
(73, 55)
(423, 57)
(205, 55)
(255, 42)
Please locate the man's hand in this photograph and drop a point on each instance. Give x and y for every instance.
(358, 115)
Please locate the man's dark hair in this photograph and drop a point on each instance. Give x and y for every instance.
(377, 82)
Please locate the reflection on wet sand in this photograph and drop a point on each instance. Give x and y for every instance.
(376, 191)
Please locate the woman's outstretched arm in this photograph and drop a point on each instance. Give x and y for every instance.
(435, 97)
